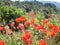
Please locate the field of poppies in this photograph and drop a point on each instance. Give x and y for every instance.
(31, 30)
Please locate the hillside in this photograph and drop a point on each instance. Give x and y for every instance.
(56, 3)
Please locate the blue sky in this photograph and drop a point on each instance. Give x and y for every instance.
(45, 0)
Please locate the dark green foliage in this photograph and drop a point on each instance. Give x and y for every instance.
(32, 5)
(10, 13)
(52, 6)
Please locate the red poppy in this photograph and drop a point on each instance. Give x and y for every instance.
(27, 24)
(26, 36)
(40, 27)
(20, 19)
(1, 28)
(44, 31)
(2, 42)
(20, 26)
(42, 42)
(17, 20)
(52, 34)
(12, 24)
(35, 26)
(28, 42)
(32, 21)
(50, 25)
(55, 28)
(45, 21)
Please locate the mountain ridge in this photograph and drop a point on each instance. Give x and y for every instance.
(56, 3)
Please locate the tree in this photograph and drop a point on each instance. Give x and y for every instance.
(51, 7)
(10, 13)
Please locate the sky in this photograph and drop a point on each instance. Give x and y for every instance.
(45, 0)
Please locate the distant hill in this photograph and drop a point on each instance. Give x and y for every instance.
(56, 3)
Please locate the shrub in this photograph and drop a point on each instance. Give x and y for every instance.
(10, 13)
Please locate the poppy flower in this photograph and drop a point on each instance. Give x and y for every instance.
(45, 21)
(20, 19)
(40, 27)
(44, 31)
(26, 36)
(52, 34)
(20, 26)
(27, 24)
(12, 24)
(28, 42)
(55, 28)
(50, 25)
(42, 42)
(2, 42)
(17, 20)
(35, 26)
(1, 28)
(32, 21)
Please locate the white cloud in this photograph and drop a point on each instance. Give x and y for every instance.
(53, 0)
(42, 0)
(58, 0)
(17, 0)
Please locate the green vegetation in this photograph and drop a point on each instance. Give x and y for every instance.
(26, 23)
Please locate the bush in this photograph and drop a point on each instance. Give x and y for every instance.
(10, 13)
